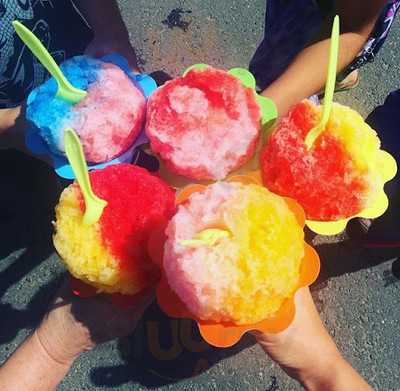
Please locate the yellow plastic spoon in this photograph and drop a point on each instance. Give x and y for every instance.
(314, 133)
(65, 90)
(94, 206)
(208, 237)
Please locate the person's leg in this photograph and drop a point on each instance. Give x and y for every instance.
(288, 27)
(385, 231)
(350, 77)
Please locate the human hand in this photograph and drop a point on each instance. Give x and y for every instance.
(306, 352)
(110, 32)
(305, 343)
(104, 44)
(73, 325)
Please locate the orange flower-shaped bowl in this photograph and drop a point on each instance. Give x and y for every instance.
(227, 334)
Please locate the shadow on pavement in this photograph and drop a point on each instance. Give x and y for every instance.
(160, 77)
(15, 320)
(163, 351)
(352, 255)
(29, 191)
(338, 259)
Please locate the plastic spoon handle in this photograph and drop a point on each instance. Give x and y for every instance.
(65, 91)
(329, 88)
(94, 205)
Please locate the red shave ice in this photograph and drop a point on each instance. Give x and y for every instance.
(137, 203)
(204, 125)
(111, 255)
(327, 181)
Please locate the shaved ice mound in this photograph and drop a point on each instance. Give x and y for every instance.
(244, 277)
(204, 125)
(339, 177)
(111, 255)
(107, 120)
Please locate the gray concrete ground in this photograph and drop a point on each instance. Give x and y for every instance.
(357, 294)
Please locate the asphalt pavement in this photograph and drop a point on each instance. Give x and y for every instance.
(357, 293)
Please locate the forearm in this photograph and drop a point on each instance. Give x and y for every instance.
(307, 73)
(104, 17)
(339, 376)
(110, 33)
(32, 368)
(307, 353)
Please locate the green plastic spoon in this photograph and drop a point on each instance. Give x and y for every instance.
(330, 86)
(208, 237)
(65, 90)
(94, 205)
